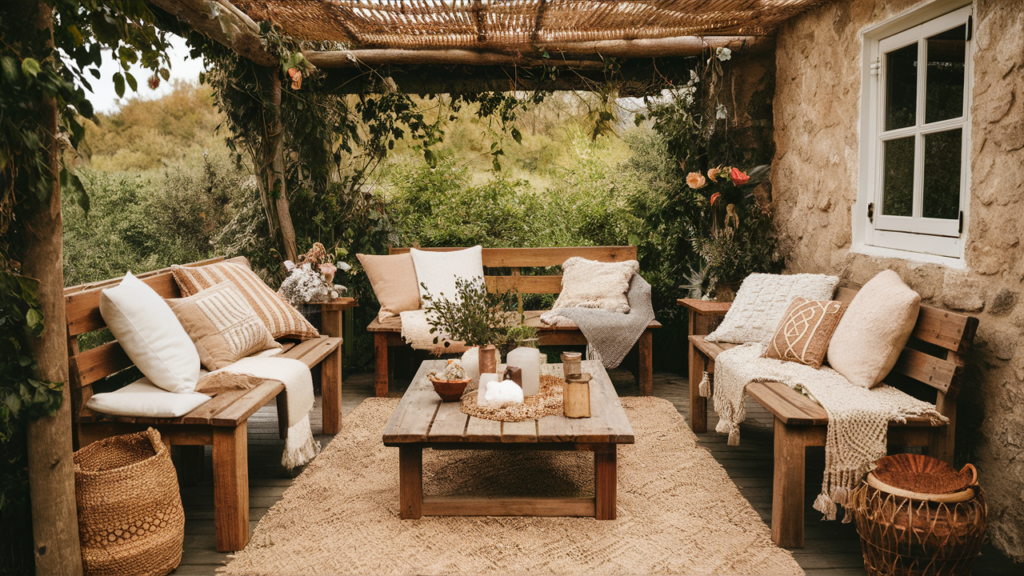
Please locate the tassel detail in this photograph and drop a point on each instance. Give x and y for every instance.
(723, 427)
(734, 436)
(826, 506)
(704, 388)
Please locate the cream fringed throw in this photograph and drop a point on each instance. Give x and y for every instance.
(858, 418)
(300, 447)
(416, 333)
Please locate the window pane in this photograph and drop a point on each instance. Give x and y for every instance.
(901, 87)
(898, 177)
(944, 96)
(942, 156)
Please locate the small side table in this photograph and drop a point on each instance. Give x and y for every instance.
(704, 316)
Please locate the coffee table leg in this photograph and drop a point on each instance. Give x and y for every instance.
(605, 464)
(410, 481)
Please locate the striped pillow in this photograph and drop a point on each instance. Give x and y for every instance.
(280, 317)
(222, 325)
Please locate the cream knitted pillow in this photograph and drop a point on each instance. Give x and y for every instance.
(592, 284)
(762, 301)
(874, 330)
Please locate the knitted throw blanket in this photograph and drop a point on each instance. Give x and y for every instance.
(611, 334)
(300, 447)
(858, 418)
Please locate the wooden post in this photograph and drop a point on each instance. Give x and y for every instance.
(51, 472)
(231, 487)
(605, 469)
(330, 375)
(410, 482)
(380, 352)
(788, 485)
(646, 363)
(276, 173)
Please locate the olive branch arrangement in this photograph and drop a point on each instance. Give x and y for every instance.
(476, 317)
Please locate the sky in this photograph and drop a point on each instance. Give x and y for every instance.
(103, 97)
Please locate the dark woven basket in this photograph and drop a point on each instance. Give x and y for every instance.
(903, 532)
(130, 519)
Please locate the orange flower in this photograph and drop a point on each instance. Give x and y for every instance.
(695, 180)
(738, 178)
(714, 197)
(713, 174)
(296, 77)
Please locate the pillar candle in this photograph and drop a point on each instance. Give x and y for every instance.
(485, 379)
(527, 360)
(471, 362)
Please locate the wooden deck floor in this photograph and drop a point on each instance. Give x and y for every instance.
(832, 548)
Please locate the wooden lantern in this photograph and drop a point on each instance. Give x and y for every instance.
(572, 364)
(576, 396)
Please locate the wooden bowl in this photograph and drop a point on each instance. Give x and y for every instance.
(450, 390)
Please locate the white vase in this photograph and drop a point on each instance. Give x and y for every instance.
(527, 360)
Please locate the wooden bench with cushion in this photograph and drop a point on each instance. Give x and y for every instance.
(220, 422)
(389, 332)
(934, 358)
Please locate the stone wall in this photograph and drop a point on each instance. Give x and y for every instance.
(815, 174)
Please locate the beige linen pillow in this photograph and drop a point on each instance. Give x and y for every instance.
(277, 315)
(762, 300)
(394, 282)
(874, 330)
(591, 284)
(223, 326)
(805, 331)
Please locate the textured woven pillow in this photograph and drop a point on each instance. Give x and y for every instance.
(874, 330)
(223, 326)
(438, 270)
(591, 284)
(763, 299)
(278, 316)
(394, 282)
(805, 331)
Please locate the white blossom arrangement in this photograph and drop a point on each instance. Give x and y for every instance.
(304, 284)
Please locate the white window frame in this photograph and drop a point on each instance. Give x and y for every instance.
(915, 237)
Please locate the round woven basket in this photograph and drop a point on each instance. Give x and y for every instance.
(130, 519)
(907, 532)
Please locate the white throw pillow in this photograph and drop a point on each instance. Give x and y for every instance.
(762, 301)
(438, 270)
(151, 334)
(141, 398)
(877, 324)
(592, 284)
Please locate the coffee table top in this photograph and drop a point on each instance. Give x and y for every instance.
(421, 417)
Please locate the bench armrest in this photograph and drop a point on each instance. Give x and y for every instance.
(704, 307)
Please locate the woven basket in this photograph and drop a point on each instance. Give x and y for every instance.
(130, 519)
(903, 532)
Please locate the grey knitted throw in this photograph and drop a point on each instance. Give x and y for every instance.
(611, 334)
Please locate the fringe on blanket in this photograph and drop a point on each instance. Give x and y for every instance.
(300, 447)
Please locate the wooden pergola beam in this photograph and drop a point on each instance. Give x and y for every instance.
(240, 36)
(580, 55)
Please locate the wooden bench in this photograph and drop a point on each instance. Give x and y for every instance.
(934, 358)
(220, 422)
(389, 333)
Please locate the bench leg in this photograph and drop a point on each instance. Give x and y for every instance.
(231, 487)
(698, 403)
(605, 478)
(646, 371)
(380, 351)
(941, 439)
(410, 482)
(330, 384)
(788, 487)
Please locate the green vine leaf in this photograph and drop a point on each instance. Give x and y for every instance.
(119, 84)
(30, 67)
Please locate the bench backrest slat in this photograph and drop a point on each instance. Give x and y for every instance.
(516, 258)
(98, 363)
(83, 308)
(950, 331)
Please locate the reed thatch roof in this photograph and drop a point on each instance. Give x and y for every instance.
(516, 25)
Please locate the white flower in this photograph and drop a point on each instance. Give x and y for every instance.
(334, 295)
(723, 54)
(343, 266)
(721, 112)
(694, 78)
(304, 286)
(340, 288)
(289, 265)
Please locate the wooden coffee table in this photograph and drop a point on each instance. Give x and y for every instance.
(421, 421)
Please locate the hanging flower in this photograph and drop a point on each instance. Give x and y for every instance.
(713, 174)
(289, 265)
(723, 54)
(343, 266)
(328, 270)
(738, 178)
(714, 197)
(154, 81)
(296, 77)
(695, 180)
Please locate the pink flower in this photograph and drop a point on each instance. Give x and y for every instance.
(328, 270)
(695, 180)
(713, 174)
(296, 77)
(738, 178)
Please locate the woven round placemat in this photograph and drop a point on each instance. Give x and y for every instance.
(547, 402)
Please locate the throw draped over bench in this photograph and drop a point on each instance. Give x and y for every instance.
(934, 359)
(389, 332)
(220, 422)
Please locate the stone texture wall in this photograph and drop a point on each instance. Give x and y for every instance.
(815, 175)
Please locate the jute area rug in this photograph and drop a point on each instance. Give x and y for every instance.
(678, 512)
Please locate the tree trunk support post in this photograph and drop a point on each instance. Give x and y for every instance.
(56, 546)
(276, 180)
